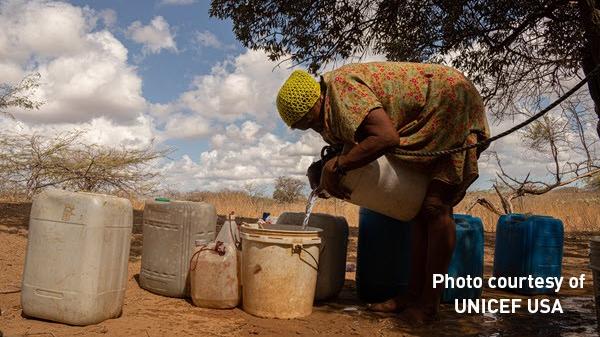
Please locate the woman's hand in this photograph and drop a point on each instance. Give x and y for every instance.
(330, 181)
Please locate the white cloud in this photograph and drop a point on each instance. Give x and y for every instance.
(85, 78)
(243, 154)
(177, 2)
(235, 90)
(101, 131)
(186, 127)
(109, 17)
(155, 36)
(207, 39)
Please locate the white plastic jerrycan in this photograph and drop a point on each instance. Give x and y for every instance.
(77, 253)
(387, 186)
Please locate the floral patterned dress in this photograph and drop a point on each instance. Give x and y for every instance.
(434, 107)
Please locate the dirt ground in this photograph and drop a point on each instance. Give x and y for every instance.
(149, 315)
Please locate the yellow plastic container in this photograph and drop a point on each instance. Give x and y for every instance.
(279, 270)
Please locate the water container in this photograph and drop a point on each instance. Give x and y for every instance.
(214, 276)
(279, 270)
(595, 267)
(77, 252)
(383, 256)
(388, 187)
(384, 250)
(528, 245)
(467, 258)
(170, 230)
(332, 265)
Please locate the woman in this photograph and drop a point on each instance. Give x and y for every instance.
(382, 106)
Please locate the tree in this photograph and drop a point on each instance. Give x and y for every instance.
(571, 154)
(514, 51)
(288, 189)
(256, 194)
(19, 96)
(29, 163)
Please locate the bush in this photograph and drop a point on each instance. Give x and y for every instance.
(288, 189)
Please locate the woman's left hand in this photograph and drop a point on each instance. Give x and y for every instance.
(330, 181)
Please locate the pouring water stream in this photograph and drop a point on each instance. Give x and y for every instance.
(312, 199)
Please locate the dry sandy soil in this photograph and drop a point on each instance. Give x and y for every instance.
(149, 315)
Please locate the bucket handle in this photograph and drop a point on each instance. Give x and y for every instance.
(298, 248)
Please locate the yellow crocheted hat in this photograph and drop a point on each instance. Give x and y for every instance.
(297, 96)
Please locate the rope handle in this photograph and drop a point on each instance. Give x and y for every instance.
(219, 248)
(299, 248)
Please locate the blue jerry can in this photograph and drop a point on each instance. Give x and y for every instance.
(383, 256)
(528, 245)
(467, 258)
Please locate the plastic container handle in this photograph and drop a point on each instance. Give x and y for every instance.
(298, 248)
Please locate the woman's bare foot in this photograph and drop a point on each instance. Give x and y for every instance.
(392, 305)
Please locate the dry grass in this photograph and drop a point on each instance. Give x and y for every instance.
(579, 210)
(244, 205)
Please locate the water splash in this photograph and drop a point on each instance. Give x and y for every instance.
(312, 200)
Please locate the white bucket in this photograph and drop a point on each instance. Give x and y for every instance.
(334, 245)
(279, 270)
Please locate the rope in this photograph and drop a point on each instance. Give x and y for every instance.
(591, 74)
(219, 248)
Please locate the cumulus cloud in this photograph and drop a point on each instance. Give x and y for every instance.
(108, 17)
(154, 37)
(101, 130)
(235, 90)
(243, 154)
(208, 39)
(85, 77)
(186, 127)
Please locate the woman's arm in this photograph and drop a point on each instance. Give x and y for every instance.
(376, 135)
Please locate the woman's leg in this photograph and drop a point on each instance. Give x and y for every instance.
(421, 238)
(418, 257)
(436, 217)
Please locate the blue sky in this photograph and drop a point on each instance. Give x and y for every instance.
(161, 83)
(167, 74)
(135, 72)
